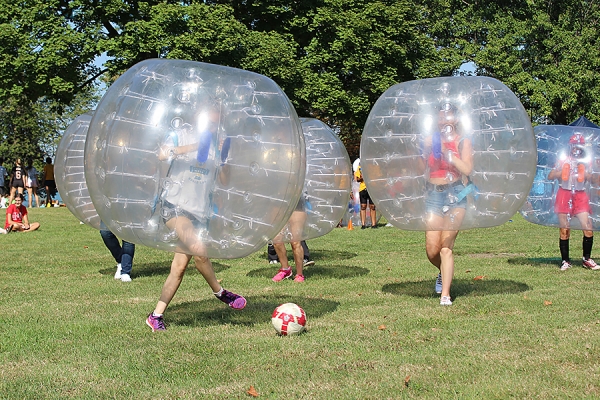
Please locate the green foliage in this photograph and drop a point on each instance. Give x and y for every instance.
(544, 51)
(333, 58)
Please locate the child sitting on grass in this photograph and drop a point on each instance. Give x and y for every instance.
(16, 217)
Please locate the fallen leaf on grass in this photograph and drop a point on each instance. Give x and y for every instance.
(219, 280)
(85, 247)
(467, 271)
(252, 392)
(547, 302)
(381, 327)
(406, 380)
(479, 278)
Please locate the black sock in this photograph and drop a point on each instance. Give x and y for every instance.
(587, 246)
(563, 245)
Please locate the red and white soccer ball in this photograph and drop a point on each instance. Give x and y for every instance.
(289, 319)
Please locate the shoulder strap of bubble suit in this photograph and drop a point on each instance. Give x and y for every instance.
(470, 188)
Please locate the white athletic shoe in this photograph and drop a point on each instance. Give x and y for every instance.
(118, 273)
(125, 278)
(445, 301)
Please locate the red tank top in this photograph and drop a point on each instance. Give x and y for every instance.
(439, 168)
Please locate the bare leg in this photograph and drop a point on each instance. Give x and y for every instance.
(32, 227)
(188, 234)
(433, 239)
(433, 247)
(586, 224)
(298, 256)
(204, 266)
(373, 215)
(282, 254)
(447, 260)
(178, 266)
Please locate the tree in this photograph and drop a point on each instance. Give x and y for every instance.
(347, 53)
(47, 63)
(545, 51)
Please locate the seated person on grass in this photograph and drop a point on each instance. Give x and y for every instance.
(17, 219)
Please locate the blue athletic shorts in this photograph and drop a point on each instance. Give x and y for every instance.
(442, 198)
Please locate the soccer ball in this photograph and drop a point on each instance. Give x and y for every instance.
(289, 319)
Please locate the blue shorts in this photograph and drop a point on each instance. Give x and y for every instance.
(442, 198)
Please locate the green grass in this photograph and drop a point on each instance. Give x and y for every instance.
(68, 330)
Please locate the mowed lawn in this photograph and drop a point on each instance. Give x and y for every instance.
(519, 327)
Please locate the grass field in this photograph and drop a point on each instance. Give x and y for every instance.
(519, 327)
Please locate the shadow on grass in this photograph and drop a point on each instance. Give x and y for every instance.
(257, 311)
(155, 269)
(460, 287)
(314, 272)
(536, 262)
(321, 255)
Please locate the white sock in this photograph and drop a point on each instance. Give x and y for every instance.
(219, 293)
(156, 315)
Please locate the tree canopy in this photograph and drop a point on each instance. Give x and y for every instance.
(333, 58)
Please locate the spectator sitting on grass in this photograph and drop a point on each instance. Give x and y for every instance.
(16, 217)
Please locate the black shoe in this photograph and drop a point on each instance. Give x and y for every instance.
(308, 263)
(363, 227)
(374, 227)
(9, 229)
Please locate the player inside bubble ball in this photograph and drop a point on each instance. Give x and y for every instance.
(573, 171)
(196, 161)
(449, 158)
(296, 227)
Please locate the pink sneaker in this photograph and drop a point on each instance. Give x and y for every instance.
(299, 278)
(282, 274)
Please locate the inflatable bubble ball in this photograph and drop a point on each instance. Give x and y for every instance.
(327, 185)
(195, 158)
(69, 173)
(566, 189)
(448, 153)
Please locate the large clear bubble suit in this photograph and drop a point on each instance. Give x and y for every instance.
(69, 173)
(195, 158)
(327, 185)
(395, 153)
(572, 153)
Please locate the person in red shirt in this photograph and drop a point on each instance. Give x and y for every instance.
(450, 162)
(16, 217)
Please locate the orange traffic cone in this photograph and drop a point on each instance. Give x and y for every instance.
(350, 228)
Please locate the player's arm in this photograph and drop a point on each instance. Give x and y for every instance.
(25, 221)
(464, 163)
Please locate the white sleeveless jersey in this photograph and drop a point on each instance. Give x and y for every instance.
(189, 184)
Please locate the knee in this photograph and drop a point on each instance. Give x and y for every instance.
(446, 252)
(372, 207)
(432, 251)
(363, 207)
